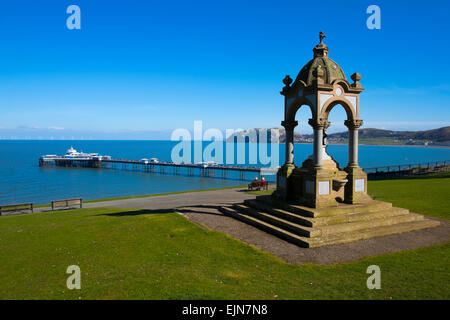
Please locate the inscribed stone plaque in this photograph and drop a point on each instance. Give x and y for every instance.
(324, 187)
(359, 185)
(309, 186)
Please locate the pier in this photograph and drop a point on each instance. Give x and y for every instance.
(161, 167)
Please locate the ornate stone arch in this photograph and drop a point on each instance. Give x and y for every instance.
(343, 83)
(293, 107)
(347, 105)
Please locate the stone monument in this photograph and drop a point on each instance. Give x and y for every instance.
(319, 203)
(319, 182)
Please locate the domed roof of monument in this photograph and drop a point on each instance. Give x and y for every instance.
(326, 68)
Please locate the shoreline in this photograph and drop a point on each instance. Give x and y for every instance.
(383, 145)
(305, 143)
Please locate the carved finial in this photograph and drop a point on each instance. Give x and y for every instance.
(356, 77)
(321, 36)
(321, 50)
(287, 80)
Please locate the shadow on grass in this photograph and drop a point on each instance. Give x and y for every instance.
(138, 212)
(187, 209)
(195, 209)
(60, 209)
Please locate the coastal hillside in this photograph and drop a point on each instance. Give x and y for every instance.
(440, 136)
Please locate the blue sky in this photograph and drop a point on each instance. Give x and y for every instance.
(139, 69)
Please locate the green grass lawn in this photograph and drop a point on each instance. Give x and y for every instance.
(127, 254)
(428, 195)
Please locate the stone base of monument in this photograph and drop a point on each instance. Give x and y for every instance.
(316, 227)
(323, 186)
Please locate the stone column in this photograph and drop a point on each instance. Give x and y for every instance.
(318, 125)
(353, 126)
(356, 187)
(289, 126)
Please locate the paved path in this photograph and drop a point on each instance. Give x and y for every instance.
(173, 201)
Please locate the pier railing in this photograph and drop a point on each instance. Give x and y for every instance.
(386, 172)
(191, 169)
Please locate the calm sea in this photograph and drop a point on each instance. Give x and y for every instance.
(22, 180)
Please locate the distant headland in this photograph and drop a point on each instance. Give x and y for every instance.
(369, 136)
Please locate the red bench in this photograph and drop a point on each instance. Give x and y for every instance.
(258, 185)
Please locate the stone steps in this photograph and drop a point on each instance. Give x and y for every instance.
(387, 218)
(325, 220)
(346, 224)
(275, 221)
(376, 232)
(304, 211)
(283, 234)
(363, 225)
